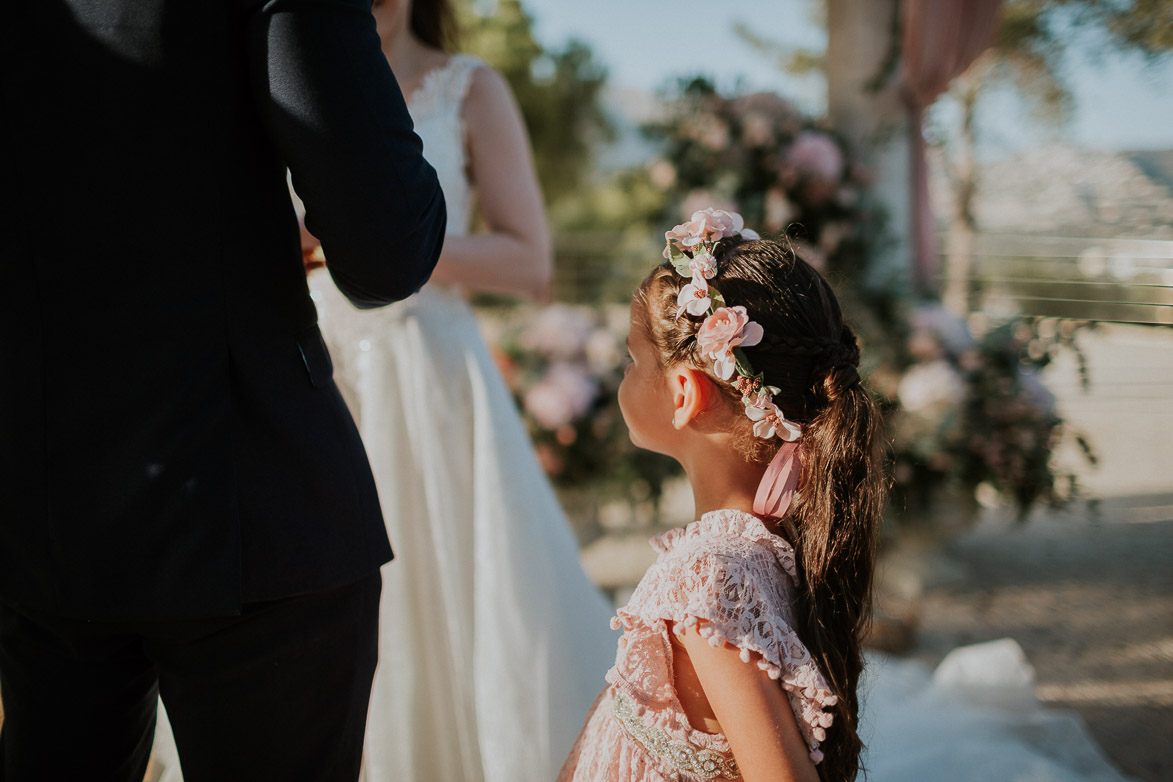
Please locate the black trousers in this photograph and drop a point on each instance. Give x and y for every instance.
(278, 693)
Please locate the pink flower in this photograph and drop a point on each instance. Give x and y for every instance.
(694, 298)
(769, 422)
(704, 265)
(717, 223)
(564, 394)
(558, 331)
(706, 225)
(761, 399)
(686, 235)
(816, 155)
(725, 329)
(662, 173)
(699, 199)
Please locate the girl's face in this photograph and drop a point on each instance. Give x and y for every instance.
(644, 397)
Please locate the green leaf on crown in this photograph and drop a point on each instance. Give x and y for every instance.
(679, 260)
(717, 299)
(743, 367)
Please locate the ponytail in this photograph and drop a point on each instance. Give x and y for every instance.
(834, 518)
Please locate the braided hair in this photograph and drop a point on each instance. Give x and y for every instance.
(811, 356)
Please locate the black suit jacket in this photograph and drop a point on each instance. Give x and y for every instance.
(171, 441)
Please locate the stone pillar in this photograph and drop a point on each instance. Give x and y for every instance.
(864, 106)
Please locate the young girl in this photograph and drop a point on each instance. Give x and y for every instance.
(741, 647)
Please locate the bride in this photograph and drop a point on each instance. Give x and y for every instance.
(493, 641)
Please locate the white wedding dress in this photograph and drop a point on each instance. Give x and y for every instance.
(493, 641)
(975, 718)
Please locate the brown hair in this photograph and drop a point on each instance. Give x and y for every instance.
(811, 356)
(433, 22)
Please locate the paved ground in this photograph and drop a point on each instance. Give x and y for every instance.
(1089, 602)
(1087, 593)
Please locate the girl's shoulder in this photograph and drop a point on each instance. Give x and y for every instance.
(731, 536)
(734, 580)
(726, 561)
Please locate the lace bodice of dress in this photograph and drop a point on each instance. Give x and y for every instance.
(436, 111)
(733, 578)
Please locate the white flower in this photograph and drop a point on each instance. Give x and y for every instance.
(930, 385)
(704, 265)
(769, 422)
(694, 298)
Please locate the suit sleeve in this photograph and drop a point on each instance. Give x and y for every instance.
(335, 111)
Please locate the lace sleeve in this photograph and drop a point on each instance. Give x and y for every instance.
(746, 603)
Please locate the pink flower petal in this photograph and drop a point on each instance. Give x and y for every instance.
(752, 334)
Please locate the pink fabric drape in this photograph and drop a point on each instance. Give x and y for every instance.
(941, 38)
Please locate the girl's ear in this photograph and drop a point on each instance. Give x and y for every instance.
(692, 394)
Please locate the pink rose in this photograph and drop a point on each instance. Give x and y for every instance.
(725, 329)
(816, 155)
(564, 394)
(686, 235)
(717, 224)
(697, 200)
(706, 225)
(558, 331)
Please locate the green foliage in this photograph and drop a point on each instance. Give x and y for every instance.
(1027, 55)
(1141, 26)
(557, 90)
(971, 410)
(795, 60)
(564, 364)
(1034, 34)
(784, 172)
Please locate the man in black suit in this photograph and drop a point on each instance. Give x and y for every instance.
(185, 505)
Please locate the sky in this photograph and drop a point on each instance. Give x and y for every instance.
(1120, 103)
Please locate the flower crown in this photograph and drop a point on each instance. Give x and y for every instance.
(725, 330)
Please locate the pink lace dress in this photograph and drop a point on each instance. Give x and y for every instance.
(730, 576)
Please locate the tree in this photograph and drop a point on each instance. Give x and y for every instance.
(557, 90)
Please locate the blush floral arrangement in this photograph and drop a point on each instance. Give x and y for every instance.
(784, 172)
(971, 413)
(966, 409)
(563, 364)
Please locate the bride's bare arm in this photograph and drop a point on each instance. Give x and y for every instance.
(513, 257)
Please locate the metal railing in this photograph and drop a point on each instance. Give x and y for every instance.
(1103, 280)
